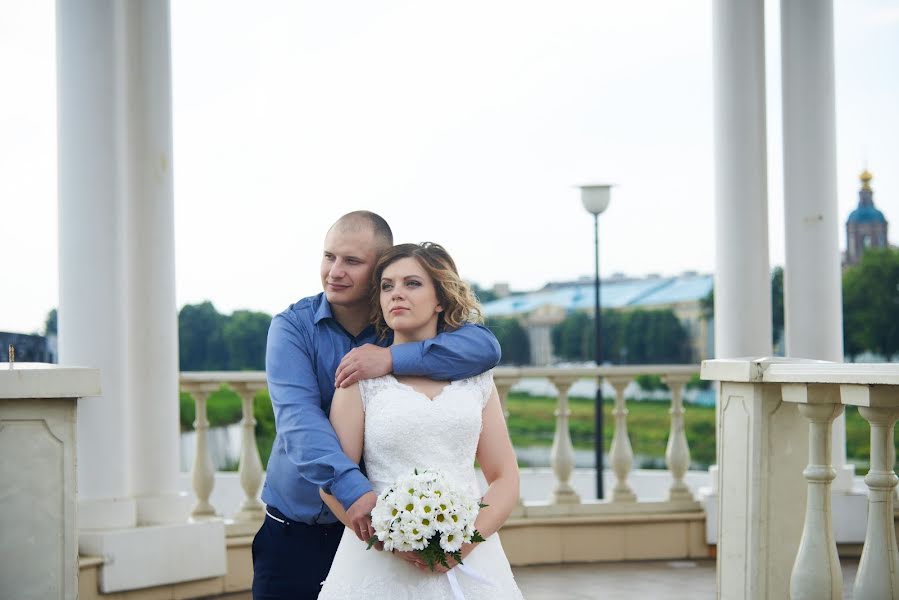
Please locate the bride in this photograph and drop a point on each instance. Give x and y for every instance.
(400, 424)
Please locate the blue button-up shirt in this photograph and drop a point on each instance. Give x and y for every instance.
(305, 346)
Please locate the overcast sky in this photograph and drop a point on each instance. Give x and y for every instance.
(467, 124)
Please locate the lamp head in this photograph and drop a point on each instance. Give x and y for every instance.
(595, 197)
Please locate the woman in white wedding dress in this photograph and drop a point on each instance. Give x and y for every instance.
(400, 424)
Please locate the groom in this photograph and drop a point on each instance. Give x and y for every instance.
(316, 344)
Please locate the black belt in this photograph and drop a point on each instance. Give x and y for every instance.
(278, 516)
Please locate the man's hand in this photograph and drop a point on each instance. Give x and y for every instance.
(363, 362)
(359, 516)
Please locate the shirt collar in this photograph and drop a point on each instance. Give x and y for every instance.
(324, 312)
(324, 309)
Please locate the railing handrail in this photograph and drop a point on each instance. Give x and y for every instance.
(834, 373)
(791, 370)
(190, 378)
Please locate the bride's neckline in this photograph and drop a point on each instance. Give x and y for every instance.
(412, 389)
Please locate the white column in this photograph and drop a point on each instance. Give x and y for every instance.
(152, 311)
(742, 278)
(117, 277)
(813, 319)
(117, 303)
(92, 274)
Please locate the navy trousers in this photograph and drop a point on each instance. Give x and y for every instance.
(290, 560)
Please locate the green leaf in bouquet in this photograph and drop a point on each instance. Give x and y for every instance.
(372, 541)
(477, 537)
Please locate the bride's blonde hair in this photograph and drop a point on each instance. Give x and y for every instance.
(455, 296)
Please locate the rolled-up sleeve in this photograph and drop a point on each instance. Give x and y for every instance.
(306, 432)
(469, 350)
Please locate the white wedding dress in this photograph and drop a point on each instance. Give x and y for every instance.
(405, 430)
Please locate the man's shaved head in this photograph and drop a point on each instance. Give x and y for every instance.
(362, 219)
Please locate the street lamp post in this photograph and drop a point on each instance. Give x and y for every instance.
(595, 198)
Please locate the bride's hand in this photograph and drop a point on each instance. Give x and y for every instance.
(412, 558)
(416, 560)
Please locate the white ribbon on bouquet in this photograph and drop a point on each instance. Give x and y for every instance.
(454, 582)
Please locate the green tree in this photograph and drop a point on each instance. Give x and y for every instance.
(513, 340)
(664, 338)
(244, 335)
(50, 323)
(200, 342)
(637, 337)
(871, 304)
(573, 337)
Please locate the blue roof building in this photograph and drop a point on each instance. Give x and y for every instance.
(540, 309)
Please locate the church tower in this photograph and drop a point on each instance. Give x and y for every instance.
(866, 226)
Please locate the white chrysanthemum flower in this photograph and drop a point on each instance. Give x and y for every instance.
(425, 508)
(441, 515)
(415, 536)
(405, 503)
(451, 540)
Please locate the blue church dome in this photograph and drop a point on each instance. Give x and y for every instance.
(866, 214)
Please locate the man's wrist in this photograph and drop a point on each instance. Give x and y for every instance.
(351, 486)
(404, 357)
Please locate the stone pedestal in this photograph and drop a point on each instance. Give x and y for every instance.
(39, 553)
(762, 451)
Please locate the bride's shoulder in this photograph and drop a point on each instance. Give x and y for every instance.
(369, 388)
(482, 384)
(481, 379)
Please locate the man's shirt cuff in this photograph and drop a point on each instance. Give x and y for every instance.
(350, 487)
(405, 358)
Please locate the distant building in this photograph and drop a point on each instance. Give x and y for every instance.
(29, 348)
(541, 309)
(866, 226)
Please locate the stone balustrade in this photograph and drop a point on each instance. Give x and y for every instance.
(246, 384)
(770, 411)
(623, 498)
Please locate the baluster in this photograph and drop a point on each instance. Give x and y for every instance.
(878, 569)
(250, 467)
(677, 454)
(816, 571)
(202, 473)
(620, 454)
(503, 386)
(561, 456)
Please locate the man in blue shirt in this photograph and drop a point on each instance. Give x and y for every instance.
(316, 344)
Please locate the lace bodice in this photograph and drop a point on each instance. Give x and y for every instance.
(405, 430)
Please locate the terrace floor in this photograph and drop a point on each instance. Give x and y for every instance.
(671, 580)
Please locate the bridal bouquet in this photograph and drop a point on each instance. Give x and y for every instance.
(423, 513)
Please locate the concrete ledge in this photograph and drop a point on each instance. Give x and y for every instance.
(152, 556)
(599, 538)
(234, 585)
